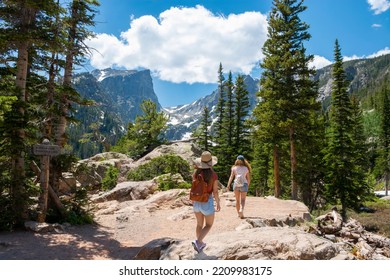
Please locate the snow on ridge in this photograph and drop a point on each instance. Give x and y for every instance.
(186, 136)
(189, 123)
(173, 121)
(102, 75)
(174, 109)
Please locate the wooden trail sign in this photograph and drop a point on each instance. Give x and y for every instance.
(45, 150)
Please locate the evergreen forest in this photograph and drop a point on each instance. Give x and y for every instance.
(300, 147)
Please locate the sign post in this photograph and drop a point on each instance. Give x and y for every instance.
(45, 150)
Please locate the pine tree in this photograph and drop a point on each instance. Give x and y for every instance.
(343, 176)
(80, 19)
(18, 23)
(220, 110)
(146, 133)
(150, 127)
(383, 161)
(288, 94)
(33, 30)
(220, 132)
(204, 133)
(241, 129)
(261, 165)
(229, 118)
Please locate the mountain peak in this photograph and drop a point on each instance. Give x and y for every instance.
(102, 74)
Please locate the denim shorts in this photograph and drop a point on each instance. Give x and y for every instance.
(206, 208)
(244, 188)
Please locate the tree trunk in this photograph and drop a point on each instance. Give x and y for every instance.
(53, 196)
(18, 192)
(48, 125)
(18, 172)
(294, 184)
(67, 82)
(276, 171)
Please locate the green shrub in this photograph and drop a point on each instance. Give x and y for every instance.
(77, 209)
(161, 165)
(168, 182)
(110, 179)
(7, 217)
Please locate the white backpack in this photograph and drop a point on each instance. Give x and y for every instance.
(239, 180)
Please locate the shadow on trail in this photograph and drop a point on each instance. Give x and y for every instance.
(86, 242)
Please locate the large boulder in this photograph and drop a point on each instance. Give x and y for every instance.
(265, 243)
(91, 171)
(128, 191)
(187, 150)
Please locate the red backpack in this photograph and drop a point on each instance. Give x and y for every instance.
(199, 189)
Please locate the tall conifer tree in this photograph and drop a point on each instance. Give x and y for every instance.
(32, 30)
(343, 176)
(225, 142)
(18, 34)
(220, 110)
(288, 94)
(241, 129)
(384, 151)
(204, 133)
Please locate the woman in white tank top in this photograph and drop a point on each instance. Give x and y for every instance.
(240, 173)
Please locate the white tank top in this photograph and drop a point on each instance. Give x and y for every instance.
(240, 170)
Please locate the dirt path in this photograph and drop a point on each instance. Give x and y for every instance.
(117, 238)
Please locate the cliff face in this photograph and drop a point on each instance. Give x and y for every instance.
(116, 96)
(127, 89)
(362, 74)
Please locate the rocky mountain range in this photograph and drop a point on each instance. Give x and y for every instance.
(362, 74)
(185, 118)
(118, 95)
(118, 91)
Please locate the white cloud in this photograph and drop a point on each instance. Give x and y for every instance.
(319, 62)
(185, 44)
(379, 6)
(378, 53)
(353, 57)
(376, 25)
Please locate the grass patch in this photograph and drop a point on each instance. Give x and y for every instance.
(378, 222)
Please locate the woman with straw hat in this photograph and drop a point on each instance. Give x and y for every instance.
(204, 211)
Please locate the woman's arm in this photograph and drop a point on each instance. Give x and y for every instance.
(230, 179)
(248, 178)
(216, 195)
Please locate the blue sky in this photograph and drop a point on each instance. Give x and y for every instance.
(183, 42)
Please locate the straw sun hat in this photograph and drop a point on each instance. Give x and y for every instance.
(206, 160)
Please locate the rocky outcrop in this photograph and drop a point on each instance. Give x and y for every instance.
(353, 237)
(267, 243)
(91, 171)
(127, 191)
(187, 150)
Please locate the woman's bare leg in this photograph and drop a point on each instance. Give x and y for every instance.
(201, 231)
(237, 195)
(243, 199)
(199, 223)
